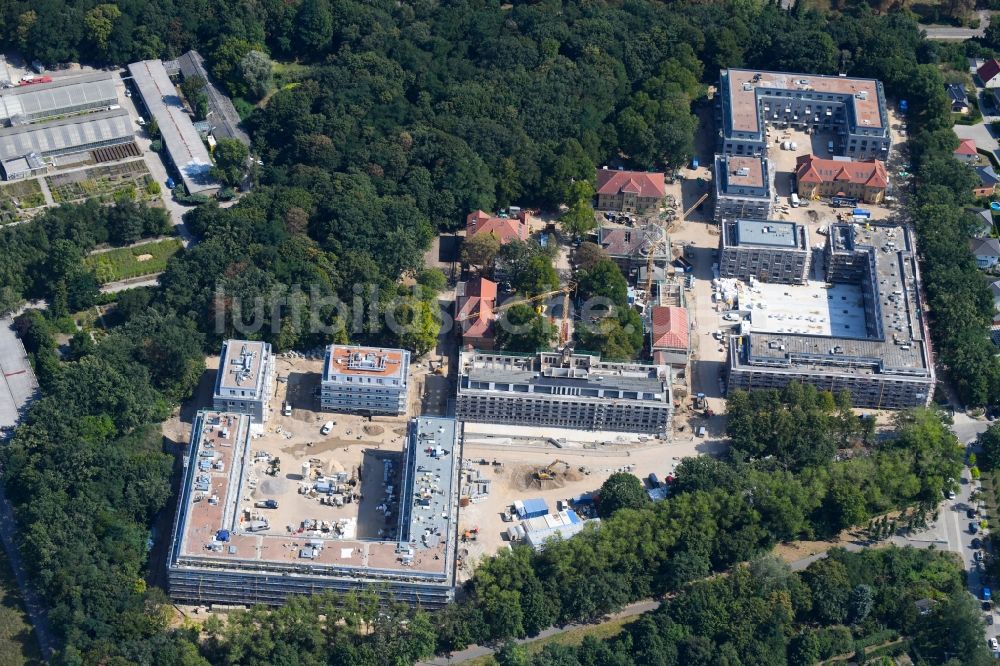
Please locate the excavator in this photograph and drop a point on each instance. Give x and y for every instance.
(548, 472)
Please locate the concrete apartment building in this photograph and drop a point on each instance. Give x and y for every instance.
(853, 109)
(742, 187)
(218, 556)
(629, 191)
(564, 390)
(371, 380)
(878, 349)
(769, 251)
(245, 381)
(865, 181)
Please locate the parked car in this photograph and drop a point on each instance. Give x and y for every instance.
(973, 528)
(327, 427)
(970, 513)
(978, 556)
(976, 543)
(994, 645)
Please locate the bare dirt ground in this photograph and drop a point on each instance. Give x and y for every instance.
(515, 480)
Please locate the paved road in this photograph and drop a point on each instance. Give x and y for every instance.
(475, 651)
(947, 32)
(131, 283)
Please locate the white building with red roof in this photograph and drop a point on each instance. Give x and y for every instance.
(966, 151)
(669, 338)
(863, 180)
(506, 229)
(474, 314)
(629, 191)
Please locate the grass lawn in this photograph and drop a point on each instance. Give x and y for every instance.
(601, 632)
(17, 639)
(129, 262)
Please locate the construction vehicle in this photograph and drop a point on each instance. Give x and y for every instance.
(548, 472)
(266, 504)
(471, 535)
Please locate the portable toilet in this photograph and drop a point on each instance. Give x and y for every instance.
(904, 105)
(694, 163)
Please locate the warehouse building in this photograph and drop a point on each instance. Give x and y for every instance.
(244, 383)
(63, 97)
(371, 380)
(223, 119)
(875, 344)
(564, 390)
(557, 526)
(218, 556)
(23, 148)
(742, 187)
(769, 251)
(180, 138)
(854, 109)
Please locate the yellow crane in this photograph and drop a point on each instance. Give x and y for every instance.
(564, 322)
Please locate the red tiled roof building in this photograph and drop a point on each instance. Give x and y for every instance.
(629, 191)
(505, 229)
(817, 177)
(474, 312)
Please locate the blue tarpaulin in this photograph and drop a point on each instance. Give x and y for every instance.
(531, 508)
(222, 535)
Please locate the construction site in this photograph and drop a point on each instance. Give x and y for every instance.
(260, 519)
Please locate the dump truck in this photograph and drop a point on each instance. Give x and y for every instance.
(266, 504)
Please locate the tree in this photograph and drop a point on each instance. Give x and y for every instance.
(255, 68)
(100, 22)
(193, 88)
(588, 255)
(579, 220)
(603, 280)
(230, 161)
(512, 654)
(989, 442)
(621, 491)
(314, 25)
(520, 328)
(480, 251)
(831, 590)
(416, 324)
(862, 601)
(804, 649)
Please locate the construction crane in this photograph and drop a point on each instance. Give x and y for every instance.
(696, 204)
(654, 247)
(564, 321)
(548, 472)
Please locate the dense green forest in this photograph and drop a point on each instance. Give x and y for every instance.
(402, 118)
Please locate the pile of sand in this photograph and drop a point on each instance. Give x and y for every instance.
(373, 430)
(143, 257)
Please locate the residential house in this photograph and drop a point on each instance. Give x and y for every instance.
(986, 251)
(630, 247)
(629, 191)
(817, 177)
(989, 73)
(506, 229)
(988, 180)
(669, 340)
(981, 220)
(966, 151)
(958, 97)
(474, 313)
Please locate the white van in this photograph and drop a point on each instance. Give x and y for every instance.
(794, 199)
(701, 431)
(829, 147)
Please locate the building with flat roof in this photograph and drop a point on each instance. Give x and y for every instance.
(223, 120)
(854, 109)
(184, 146)
(224, 551)
(742, 187)
(629, 191)
(365, 379)
(24, 147)
(245, 381)
(766, 250)
(62, 97)
(564, 524)
(871, 337)
(564, 390)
